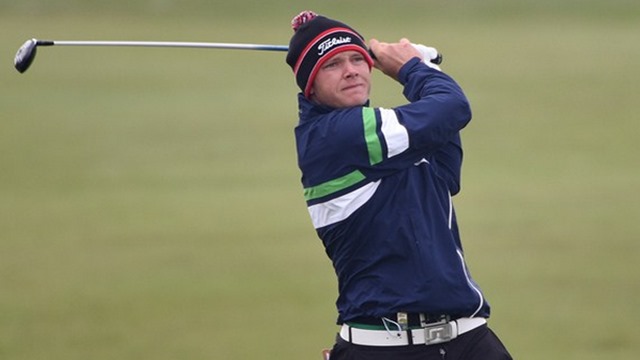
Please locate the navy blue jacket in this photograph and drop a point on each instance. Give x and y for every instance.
(378, 185)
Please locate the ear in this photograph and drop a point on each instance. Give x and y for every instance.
(312, 96)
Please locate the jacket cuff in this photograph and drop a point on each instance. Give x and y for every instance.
(403, 74)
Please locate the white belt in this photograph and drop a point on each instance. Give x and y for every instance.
(429, 335)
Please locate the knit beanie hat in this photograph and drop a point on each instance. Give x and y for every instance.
(316, 40)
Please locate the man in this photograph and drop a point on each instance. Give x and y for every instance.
(378, 185)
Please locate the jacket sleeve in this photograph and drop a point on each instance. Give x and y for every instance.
(449, 162)
(425, 128)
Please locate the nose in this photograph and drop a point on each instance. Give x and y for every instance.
(350, 70)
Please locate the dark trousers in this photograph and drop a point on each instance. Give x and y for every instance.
(477, 344)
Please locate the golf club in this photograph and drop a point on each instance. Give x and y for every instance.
(27, 52)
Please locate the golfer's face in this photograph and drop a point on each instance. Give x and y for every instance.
(343, 81)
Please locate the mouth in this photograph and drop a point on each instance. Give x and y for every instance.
(352, 87)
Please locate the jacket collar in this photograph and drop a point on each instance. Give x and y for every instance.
(307, 109)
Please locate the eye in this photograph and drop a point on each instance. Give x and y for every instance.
(330, 64)
(357, 58)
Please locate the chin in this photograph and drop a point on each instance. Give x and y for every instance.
(359, 101)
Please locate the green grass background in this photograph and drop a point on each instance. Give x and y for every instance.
(150, 205)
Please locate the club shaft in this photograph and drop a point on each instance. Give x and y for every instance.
(165, 44)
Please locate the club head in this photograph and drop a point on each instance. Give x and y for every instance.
(25, 55)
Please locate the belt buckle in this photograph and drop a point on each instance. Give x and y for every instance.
(438, 333)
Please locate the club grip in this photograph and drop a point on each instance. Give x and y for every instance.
(437, 60)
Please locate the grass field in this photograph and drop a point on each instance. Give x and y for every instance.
(150, 205)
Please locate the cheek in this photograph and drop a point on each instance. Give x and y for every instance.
(367, 75)
(326, 84)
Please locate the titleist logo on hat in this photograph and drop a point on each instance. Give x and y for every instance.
(326, 45)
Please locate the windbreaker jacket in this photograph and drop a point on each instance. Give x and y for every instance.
(378, 185)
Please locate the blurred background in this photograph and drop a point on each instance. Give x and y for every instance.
(150, 205)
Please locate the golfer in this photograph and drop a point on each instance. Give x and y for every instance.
(378, 183)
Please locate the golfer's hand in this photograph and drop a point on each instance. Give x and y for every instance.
(391, 56)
